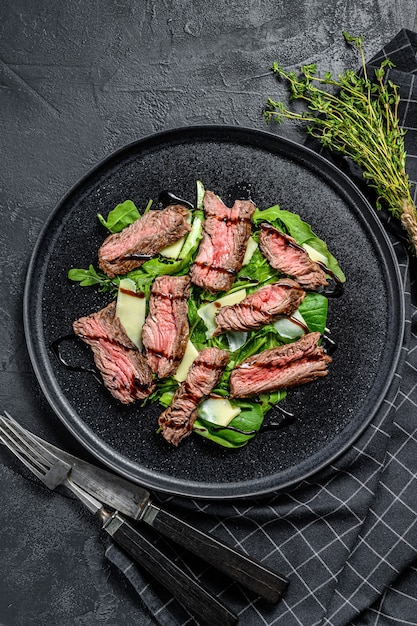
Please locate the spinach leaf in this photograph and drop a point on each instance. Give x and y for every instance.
(247, 424)
(121, 216)
(314, 311)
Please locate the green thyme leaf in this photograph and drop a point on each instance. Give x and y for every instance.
(358, 117)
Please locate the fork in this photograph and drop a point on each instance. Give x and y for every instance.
(52, 471)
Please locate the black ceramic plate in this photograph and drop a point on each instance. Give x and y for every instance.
(367, 322)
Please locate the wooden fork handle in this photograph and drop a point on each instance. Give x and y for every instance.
(207, 609)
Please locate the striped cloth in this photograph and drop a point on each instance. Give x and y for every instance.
(346, 537)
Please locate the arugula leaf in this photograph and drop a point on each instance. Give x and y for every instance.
(164, 392)
(159, 266)
(143, 281)
(121, 216)
(292, 224)
(257, 270)
(269, 400)
(89, 277)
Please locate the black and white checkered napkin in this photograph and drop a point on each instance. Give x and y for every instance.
(347, 537)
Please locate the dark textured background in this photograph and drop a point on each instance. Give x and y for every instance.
(77, 80)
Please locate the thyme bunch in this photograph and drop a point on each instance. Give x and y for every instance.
(358, 117)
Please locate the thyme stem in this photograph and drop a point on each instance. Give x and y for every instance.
(358, 117)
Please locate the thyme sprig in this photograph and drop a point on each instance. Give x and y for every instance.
(358, 117)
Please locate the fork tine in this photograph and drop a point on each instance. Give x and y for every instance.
(13, 436)
(28, 461)
(49, 468)
(26, 438)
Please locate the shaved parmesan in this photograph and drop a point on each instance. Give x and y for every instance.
(208, 311)
(289, 329)
(131, 310)
(314, 255)
(190, 355)
(250, 249)
(172, 251)
(236, 339)
(218, 411)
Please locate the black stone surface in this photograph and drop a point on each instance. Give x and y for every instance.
(78, 80)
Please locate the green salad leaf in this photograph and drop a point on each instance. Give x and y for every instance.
(90, 277)
(314, 311)
(121, 216)
(240, 430)
(258, 271)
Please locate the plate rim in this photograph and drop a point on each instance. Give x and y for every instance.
(187, 488)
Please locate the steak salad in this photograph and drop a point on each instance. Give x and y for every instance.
(215, 312)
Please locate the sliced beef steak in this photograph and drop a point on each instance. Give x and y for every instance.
(177, 420)
(122, 252)
(165, 332)
(261, 307)
(222, 249)
(123, 368)
(278, 368)
(285, 255)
